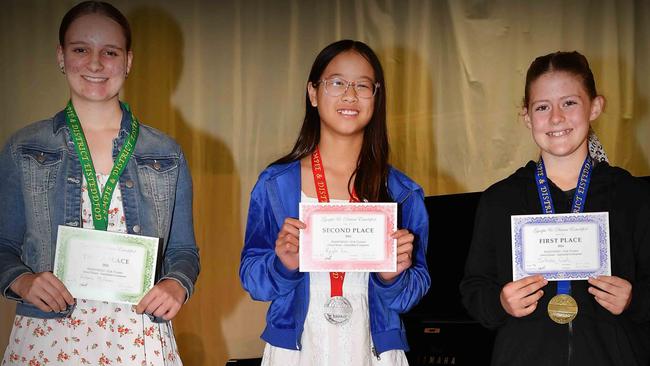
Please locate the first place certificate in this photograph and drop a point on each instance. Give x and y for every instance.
(105, 266)
(348, 237)
(571, 246)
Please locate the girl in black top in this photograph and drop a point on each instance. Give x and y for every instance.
(612, 325)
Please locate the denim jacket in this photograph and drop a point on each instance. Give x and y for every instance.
(274, 198)
(41, 189)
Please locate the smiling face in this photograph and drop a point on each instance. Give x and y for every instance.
(95, 58)
(347, 114)
(559, 114)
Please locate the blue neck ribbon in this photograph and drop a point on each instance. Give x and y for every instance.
(578, 205)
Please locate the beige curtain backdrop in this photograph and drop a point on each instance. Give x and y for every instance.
(227, 80)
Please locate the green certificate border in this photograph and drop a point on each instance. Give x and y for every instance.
(149, 244)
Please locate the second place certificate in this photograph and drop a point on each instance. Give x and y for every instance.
(348, 237)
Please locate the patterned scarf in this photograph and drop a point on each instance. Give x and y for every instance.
(596, 149)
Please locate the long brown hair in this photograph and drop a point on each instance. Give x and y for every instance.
(371, 175)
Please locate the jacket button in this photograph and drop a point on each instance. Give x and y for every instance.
(40, 158)
(136, 229)
(156, 165)
(129, 183)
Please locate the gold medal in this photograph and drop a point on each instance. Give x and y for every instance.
(562, 309)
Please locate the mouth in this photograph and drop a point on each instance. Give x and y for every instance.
(94, 79)
(348, 112)
(559, 133)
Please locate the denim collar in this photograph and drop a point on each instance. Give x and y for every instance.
(125, 124)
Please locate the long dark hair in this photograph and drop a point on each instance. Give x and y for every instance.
(95, 7)
(571, 62)
(371, 175)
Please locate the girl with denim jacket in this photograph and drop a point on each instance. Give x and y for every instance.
(344, 130)
(45, 187)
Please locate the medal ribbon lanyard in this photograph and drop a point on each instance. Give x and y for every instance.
(100, 202)
(578, 205)
(336, 278)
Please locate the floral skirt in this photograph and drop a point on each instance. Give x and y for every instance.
(97, 333)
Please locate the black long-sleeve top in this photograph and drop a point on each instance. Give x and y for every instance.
(595, 337)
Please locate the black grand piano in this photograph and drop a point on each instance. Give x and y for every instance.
(439, 330)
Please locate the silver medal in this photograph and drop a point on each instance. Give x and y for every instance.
(338, 310)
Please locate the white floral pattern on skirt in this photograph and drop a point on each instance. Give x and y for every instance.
(96, 333)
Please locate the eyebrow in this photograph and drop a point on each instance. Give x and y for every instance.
(564, 97)
(82, 43)
(341, 76)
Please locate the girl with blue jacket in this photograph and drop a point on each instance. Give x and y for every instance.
(345, 128)
(46, 184)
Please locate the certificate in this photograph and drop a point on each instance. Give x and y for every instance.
(561, 246)
(348, 237)
(105, 266)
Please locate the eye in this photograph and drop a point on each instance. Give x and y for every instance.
(570, 102)
(111, 53)
(338, 83)
(79, 50)
(363, 85)
(541, 108)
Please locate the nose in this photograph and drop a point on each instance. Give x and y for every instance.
(95, 63)
(556, 115)
(350, 94)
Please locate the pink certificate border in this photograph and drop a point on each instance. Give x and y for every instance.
(387, 210)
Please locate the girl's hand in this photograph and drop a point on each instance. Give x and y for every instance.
(164, 300)
(519, 298)
(43, 290)
(611, 292)
(404, 254)
(287, 244)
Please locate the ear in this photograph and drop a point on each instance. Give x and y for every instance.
(524, 112)
(313, 94)
(129, 60)
(59, 56)
(597, 106)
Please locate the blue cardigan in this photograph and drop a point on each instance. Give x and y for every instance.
(274, 198)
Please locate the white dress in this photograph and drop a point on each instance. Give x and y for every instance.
(96, 333)
(325, 344)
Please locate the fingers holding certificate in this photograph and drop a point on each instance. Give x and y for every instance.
(164, 300)
(44, 291)
(611, 292)
(519, 298)
(404, 254)
(287, 245)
